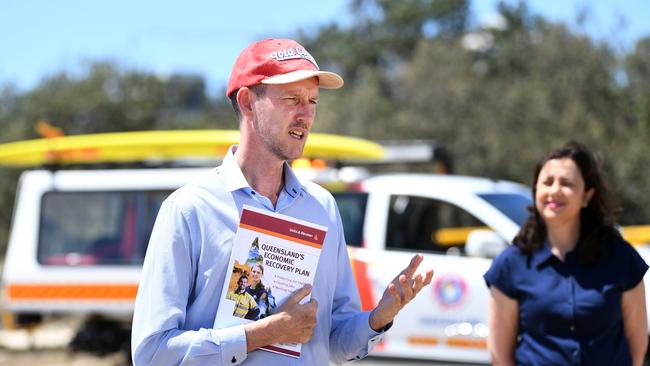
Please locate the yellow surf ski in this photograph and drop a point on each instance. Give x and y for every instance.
(125, 147)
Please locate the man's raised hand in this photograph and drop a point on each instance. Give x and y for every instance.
(402, 289)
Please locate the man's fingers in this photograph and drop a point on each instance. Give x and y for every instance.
(418, 283)
(403, 280)
(299, 294)
(413, 266)
(428, 277)
(401, 290)
(392, 288)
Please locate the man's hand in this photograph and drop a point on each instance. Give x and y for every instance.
(399, 292)
(292, 322)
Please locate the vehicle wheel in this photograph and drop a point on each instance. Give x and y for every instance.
(101, 337)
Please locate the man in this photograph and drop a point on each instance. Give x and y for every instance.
(244, 302)
(274, 88)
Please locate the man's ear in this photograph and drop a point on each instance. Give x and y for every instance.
(244, 100)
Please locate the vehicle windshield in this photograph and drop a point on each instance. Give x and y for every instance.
(512, 205)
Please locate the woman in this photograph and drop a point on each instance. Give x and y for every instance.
(260, 293)
(570, 291)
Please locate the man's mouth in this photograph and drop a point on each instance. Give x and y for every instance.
(296, 134)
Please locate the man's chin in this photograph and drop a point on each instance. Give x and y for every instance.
(293, 155)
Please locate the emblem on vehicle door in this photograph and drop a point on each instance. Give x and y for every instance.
(450, 290)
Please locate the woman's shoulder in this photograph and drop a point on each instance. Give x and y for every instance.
(626, 262)
(512, 252)
(619, 252)
(618, 246)
(506, 270)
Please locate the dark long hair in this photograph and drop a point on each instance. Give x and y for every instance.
(597, 220)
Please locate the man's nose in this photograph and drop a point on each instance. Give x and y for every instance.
(307, 112)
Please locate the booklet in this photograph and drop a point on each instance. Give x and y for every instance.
(273, 255)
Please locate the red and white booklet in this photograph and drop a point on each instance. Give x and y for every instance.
(272, 256)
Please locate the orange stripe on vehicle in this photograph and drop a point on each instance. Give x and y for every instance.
(423, 341)
(467, 342)
(23, 292)
(360, 270)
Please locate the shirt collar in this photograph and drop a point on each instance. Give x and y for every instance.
(292, 184)
(541, 255)
(235, 178)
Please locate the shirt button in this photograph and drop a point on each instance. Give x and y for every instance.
(234, 360)
(572, 328)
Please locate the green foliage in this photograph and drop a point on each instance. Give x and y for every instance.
(638, 77)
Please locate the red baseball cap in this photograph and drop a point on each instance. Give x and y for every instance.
(277, 61)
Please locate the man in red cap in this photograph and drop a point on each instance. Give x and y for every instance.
(274, 88)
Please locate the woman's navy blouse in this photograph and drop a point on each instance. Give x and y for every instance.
(569, 313)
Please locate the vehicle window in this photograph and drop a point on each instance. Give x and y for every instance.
(89, 228)
(424, 224)
(512, 205)
(352, 206)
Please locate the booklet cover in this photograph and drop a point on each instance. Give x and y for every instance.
(273, 255)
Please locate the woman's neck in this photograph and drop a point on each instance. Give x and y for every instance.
(562, 238)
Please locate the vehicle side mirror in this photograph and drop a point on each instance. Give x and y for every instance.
(484, 244)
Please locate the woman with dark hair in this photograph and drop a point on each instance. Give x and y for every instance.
(261, 294)
(570, 290)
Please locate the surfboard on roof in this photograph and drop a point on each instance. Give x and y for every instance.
(168, 145)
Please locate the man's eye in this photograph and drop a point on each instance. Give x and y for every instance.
(313, 101)
(291, 100)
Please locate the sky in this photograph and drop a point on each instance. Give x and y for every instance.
(39, 38)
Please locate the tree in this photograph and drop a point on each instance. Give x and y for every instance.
(637, 67)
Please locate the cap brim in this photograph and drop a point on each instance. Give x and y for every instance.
(326, 79)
